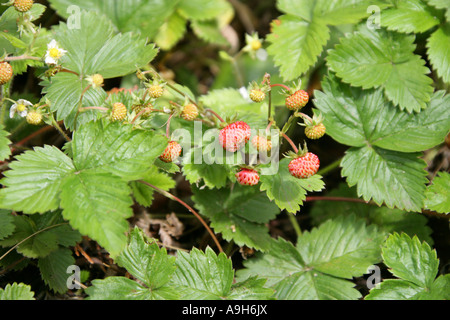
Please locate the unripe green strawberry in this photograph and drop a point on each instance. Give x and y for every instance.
(304, 166)
(190, 112)
(155, 91)
(297, 100)
(257, 95)
(261, 143)
(315, 132)
(34, 117)
(119, 111)
(6, 72)
(247, 177)
(23, 5)
(137, 108)
(172, 152)
(234, 136)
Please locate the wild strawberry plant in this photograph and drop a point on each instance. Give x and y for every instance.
(358, 86)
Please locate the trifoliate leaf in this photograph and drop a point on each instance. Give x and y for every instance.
(5, 151)
(358, 117)
(53, 268)
(372, 59)
(287, 191)
(16, 291)
(34, 181)
(416, 265)
(315, 267)
(438, 194)
(395, 178)
(438, 47)
(409, 16)
(238, 214)
(97, 204)
(117, 148)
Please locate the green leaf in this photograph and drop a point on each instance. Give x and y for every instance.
(441, 4)
(53, 269)
(438, 45)
(117, 148)
(344, 248)
(358, 117)
(5, 151)
(95, 48)
(203, 275)
(34, 181)
(416, 265)
(386, 219)
(250, 289)
(395, 178)
(202, 9)
(384, 59)
(146, 261)
(409, 16)
(65, 92)
(209, 31)
(171, 31)
(287, 191)
(7, 227)
(437, 195)
(239, 215)
(144, 16)
(117, 288)
(340, 248)
(296, 44)
(143, 193)
(97, 204)
(16, 291)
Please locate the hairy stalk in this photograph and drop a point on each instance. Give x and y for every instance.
(172, 197)
(56, 125)
(290, 142)
(330, 167)
(295, 224)
(215, 114)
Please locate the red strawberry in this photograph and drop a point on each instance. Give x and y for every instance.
(297, 100)
(172, 152)
(234, 136)
(6, 72)
(304, 166)
(247, 177)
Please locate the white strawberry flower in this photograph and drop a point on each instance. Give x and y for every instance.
(54, 53)
(20, 107)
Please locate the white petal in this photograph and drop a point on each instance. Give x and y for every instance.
(23, 113)
(12, 110)
(24, 102)
(50, 60)
(52, 44)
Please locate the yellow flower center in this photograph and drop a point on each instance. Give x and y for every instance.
(54, 53)
(256, 45)
(97, 80)
(21, 107)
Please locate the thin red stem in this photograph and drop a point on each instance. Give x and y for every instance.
(290, 142)
(172, 197)
(215, 113)
(280, 85)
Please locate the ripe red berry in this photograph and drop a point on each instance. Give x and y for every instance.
(304, 166)
(172, 152)
(297, 100)
(6, 72)
(234, 136)
(247, 177)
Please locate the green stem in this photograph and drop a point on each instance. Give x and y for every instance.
(56, 125)
(330, 167)
(295, 224)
